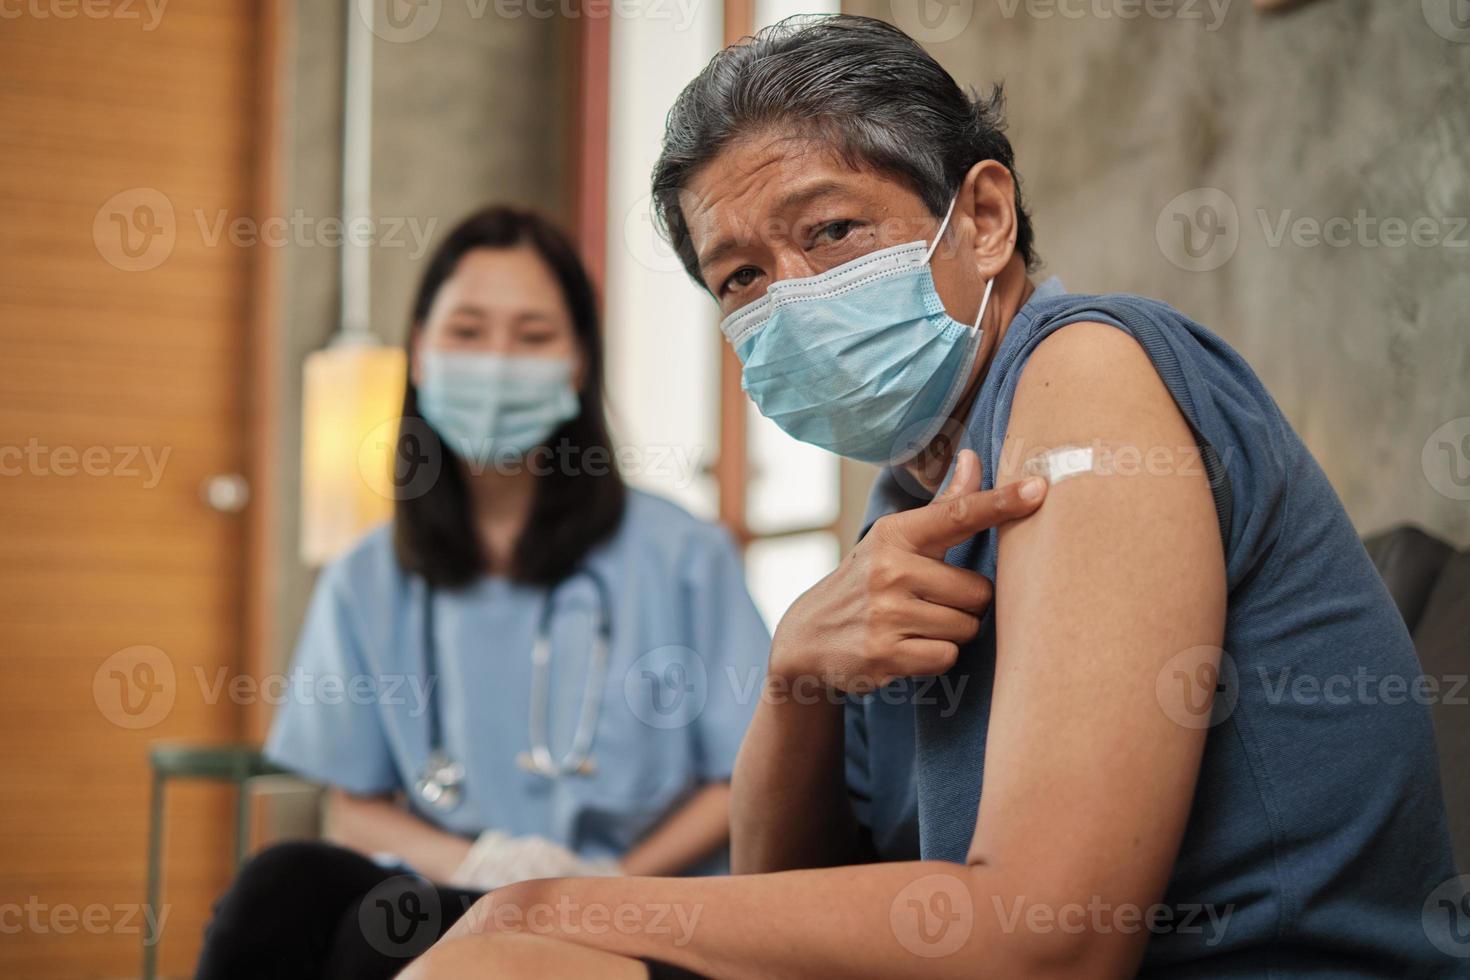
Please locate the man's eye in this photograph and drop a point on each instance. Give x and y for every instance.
(835, 231)
(740, 278)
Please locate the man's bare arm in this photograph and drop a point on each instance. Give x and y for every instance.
(892, 608)
(1090, 771)
(789, 807)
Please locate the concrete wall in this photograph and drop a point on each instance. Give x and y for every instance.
(469, 108)
(1336, 108)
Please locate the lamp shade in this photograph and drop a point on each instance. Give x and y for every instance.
(351, 406)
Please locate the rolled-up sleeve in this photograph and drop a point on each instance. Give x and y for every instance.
(733, 645)
(324, 729)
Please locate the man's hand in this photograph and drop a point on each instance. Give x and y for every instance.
(893, 608)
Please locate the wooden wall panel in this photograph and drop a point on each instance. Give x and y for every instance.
(98, 354)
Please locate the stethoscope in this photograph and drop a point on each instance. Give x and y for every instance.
(441, 781)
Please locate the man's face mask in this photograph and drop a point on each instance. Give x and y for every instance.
(861, 360)
(493, 406)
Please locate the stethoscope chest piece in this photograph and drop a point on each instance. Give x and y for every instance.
(441, 782)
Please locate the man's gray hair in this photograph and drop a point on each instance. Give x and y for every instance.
(862, 86)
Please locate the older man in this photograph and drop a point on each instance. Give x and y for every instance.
(1159, 796)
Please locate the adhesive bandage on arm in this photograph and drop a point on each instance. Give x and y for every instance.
(1065, 462)
(1104, 459)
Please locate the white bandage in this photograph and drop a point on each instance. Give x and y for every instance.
(1065, 462)
(497, 858)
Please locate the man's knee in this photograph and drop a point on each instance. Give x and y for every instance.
(287, 883)
(292, 860)
(284, 869)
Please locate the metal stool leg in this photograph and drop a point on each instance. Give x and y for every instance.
(155, 878)
(242, 821)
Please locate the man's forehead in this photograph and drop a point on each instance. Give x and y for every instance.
(731, 210)
(757, 169)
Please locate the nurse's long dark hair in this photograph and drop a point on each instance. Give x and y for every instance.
(575, 506)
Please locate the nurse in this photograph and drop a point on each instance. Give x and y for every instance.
(534, 670)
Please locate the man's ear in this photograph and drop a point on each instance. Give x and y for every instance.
(988, 199)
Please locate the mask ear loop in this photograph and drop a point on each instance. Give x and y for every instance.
(989, 283)
(984, 302)
(940, 234)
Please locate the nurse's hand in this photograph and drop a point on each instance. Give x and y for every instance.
(893, 608)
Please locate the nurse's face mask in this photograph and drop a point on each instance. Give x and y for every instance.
(495, 406)
(861, 360)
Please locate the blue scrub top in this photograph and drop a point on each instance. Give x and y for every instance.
(686, 656)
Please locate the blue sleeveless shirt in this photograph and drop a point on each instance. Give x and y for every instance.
(1317, 836)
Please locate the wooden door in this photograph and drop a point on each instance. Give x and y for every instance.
(129, 142)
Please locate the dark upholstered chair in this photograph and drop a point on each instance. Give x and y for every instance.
(1430, 581)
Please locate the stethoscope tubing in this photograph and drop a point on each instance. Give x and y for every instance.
(540, 760)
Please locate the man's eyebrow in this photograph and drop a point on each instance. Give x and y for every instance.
(797, 197)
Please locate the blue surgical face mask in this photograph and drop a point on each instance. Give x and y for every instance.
(495, 406)
(861, 360)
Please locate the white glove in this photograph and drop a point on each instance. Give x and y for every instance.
(496, 859)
